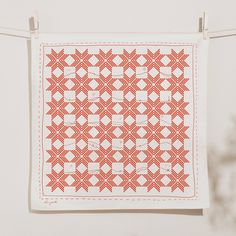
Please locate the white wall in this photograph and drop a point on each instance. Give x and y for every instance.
(107, 16)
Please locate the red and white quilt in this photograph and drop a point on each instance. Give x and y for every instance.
(119, 122)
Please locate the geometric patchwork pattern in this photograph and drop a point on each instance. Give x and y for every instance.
(118, 120)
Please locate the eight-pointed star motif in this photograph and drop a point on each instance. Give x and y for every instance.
(129, 60)
(81, 59)
(105, 59)
(57, 180)
(57, 60)
(153, 59)
(178, 60)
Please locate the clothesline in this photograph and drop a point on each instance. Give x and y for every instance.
(22, 33)
(222, 33)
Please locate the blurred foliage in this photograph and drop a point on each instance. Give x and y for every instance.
(222, 176)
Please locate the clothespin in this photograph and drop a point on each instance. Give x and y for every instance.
(34, 25)
(205, 25)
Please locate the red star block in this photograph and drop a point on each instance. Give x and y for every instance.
(57, 60)
(177, 60)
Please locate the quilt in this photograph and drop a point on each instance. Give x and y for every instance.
(119, 121)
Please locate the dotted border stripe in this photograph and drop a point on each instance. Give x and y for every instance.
(138, 198)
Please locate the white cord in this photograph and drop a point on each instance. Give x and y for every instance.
(222, 33)
(16, 32)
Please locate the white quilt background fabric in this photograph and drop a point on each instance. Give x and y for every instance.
(119, 121)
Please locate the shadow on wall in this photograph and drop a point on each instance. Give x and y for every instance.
(222, 174)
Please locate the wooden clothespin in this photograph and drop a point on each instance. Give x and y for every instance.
(34, 25)
(205, 25)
